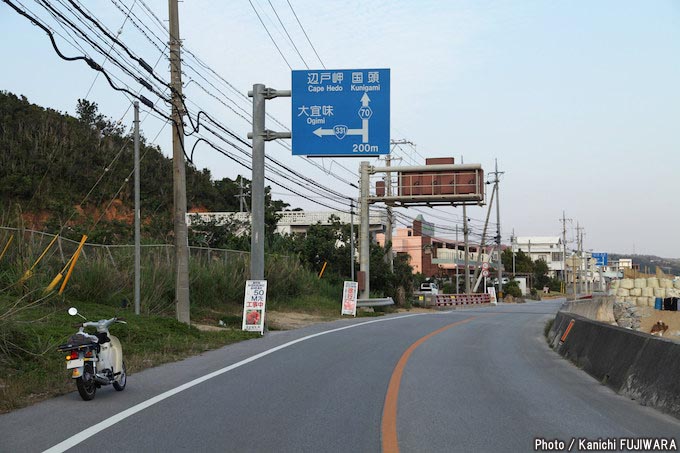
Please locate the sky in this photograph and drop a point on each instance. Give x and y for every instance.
(578, 101)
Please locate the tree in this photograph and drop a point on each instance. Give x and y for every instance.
(523, 263)
(541, 270)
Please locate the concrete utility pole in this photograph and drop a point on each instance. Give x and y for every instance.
(138, 247)
(498, 231)
(389, 257)
(364, 243)
(579, 244)
(178, 172)
(564, 247)
(512, 244)
(259, 135)
(457, 277)
(351, 236)
(241, 197)
(466, 232)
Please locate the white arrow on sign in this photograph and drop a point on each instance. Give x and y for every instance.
(341, 133)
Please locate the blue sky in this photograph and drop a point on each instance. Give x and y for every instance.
(579, 101)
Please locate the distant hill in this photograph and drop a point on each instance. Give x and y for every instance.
(50, 162)
(648, 263)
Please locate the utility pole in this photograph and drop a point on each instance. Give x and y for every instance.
(457, 278)
(564, 247)
(496, 173)
(351, 236)
(579, 245)
(512, 244)
(389, 257)
(138, 247)
(178, 172)
(364, 243)
(260, 135)
(466, 232)
(241, 196)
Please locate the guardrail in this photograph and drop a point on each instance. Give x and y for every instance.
(444, 300)
(375, 302)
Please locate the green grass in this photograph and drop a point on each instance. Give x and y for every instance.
(31, 369)
(546, 329)
(31, 327)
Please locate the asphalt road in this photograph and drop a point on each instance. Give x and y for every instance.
(467, 380)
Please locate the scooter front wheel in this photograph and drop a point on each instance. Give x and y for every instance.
(87, 387)
(121, 380)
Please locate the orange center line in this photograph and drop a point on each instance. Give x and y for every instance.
(390, 441)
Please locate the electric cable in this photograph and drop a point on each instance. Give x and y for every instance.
(306, 35)
(91, 63)
(288, 34)
(270, 35)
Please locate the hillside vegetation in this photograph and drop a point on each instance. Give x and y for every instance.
(59, 171)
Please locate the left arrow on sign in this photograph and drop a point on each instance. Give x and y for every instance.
(341, 131)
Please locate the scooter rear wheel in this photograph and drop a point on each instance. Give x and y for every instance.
(119, 383)
(87, 387)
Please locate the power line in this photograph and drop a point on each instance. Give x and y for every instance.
(306, 36)
(270, 35)
(288, 34)
(127, 16)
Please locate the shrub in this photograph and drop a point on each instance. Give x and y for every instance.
(512, 288)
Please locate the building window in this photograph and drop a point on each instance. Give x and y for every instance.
(557, 256)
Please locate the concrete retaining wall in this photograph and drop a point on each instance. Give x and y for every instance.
(598, 308)
(638, 365)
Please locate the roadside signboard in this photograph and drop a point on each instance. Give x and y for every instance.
(601, 258)
(349, 298)
(492, 293)
(343, 112)
(254, 305)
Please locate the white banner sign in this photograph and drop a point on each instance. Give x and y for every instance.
(349, 298)
(253, 305)
(492, 292)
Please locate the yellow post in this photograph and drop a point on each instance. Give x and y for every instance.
(73, 263)
(57, 278)
(29, 272)
(4, 250)
(323, 268)
(53, 284)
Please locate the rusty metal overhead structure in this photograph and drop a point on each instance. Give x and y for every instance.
(431, 185)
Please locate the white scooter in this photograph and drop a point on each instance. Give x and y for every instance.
(97, 359)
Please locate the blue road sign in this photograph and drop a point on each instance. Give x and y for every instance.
(601, 258)
(341, 112)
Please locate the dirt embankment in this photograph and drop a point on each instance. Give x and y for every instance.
(650, 316)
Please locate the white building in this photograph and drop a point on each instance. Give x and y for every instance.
(548, 248)
(291, 222)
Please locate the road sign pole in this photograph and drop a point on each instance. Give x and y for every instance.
(257, 186)
(259, 135)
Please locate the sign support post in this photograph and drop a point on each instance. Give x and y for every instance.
(260, 135)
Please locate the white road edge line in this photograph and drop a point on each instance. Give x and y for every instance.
(92, 430)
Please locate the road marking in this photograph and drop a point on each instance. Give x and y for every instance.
(101, 426)
(390, 441)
